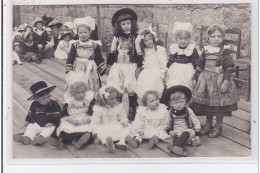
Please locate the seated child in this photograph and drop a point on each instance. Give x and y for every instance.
(16, 52)
(43, 117)
(151, 122)
(185, 126)
(109, 121)
(40, 35)
(55, 26)
(64, 46)
(29, 48)
(49, 47)
(75, 126)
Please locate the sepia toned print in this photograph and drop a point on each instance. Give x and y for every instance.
(131, 81)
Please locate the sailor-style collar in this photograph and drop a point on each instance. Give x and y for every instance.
(174, 48)
(89, 42)
(211, 49)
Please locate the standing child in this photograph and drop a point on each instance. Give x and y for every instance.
(64, 46)
(215, 93)
(75, 126)
(109, 121)
(152, 76)
(16, 52)
(29, 48)
(85, 54)
(40, 36)
(126, 63)
(185, 126)
(43, 117)
(151, 122)
(182, 62)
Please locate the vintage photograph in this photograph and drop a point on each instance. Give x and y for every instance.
(131, 81)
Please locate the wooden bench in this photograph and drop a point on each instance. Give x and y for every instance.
(235, 140)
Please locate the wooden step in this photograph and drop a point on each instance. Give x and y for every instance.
(242, 115)
(246, 106)
(100, 151)
(213, 147)
(232, 133)
(144, 152)
(24, 73)
(43, 151)
(237, 123)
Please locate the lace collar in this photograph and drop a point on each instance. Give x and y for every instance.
(174, 48)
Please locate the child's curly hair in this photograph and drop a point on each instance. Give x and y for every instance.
(144, 98)
(101, 98)
(144, 33)
(75, 86)
(118, 30)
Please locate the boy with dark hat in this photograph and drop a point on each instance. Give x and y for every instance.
(43, 117)
(185, 126)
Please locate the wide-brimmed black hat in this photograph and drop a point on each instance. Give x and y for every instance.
(39, 87)
(54, 22)
(123, 11)
(167, 93)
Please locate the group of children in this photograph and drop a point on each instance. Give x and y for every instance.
(160, 90)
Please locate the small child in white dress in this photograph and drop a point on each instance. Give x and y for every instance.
(151, 122)
(64, 46)
(153, 75)
(76, 126)
(109, 120)
(16, 53)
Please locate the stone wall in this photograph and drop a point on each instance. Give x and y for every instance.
(236, 16)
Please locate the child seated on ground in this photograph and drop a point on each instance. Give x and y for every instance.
(151, 121)
(109, 121)
(49, 48)
(16, 52)
(76, 126)
(185, 126)
(64, 46)
(29, 48)
(43, 117)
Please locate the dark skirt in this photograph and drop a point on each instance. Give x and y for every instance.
(205, 110)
